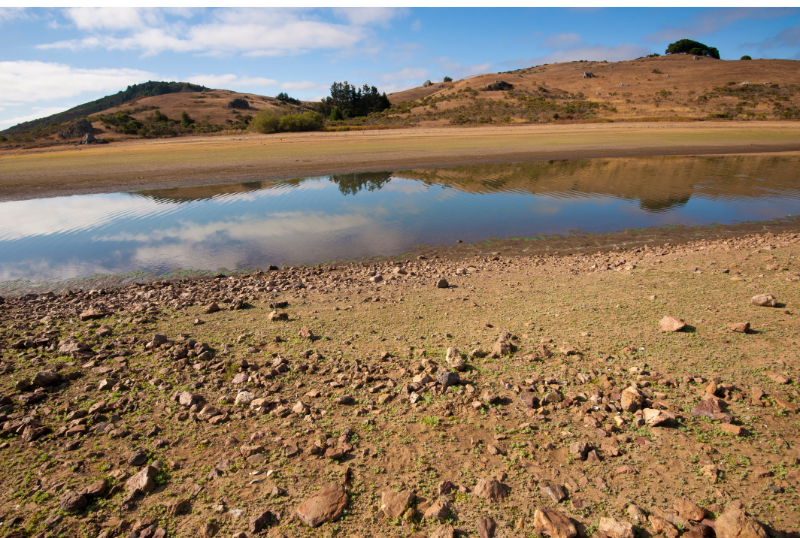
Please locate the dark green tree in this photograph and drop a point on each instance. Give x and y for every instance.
(745, 57)
(692, 47)
(353, 101)
(448, 79)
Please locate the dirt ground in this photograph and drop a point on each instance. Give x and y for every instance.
(148, 164)
(527, 387)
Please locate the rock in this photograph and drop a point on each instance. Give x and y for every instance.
(427, 83)
(492, 490)
(553, 524)
(733, 429)
(138, 458)
(588, 74)
(394, 503)
(631, 399)
(96, 490)
(689, 510)
(555, 492)
(327, 504)
(187, 399)
(712, 408)
(486, 527)
(45, 378)
(76, 130)
(208, 412)
(306, 333)
(670, 324)
(260, 521)
(244, 398)
(375, 279)
(739, 327)
(579, 450)
(213, 307)
(529, 399)
(240, 378)
(454, 360)
(438, 510)
(88, 315)
(655, 417)
(445, 531)
(764, 299)
(445, 378)
(88, 138)
(442, 283)
(615, 529)
(277, 316)
(249, 450)
(143, 481)
(503, 345)
(735, 523)
(72, 501)
(663, 527)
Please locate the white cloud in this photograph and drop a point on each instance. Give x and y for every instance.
(416, 26)
(626, 51)
(563, 41)
(303, 85)
(8, 14)
(26, 82)
(253, 32)
(230, 81)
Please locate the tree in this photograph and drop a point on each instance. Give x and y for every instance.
(448, 79)
(186, 121)
(336, 114)
(284, 97)
(353, 101)
(745, 57)
(692, 47)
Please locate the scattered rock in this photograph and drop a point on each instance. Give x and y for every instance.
(213, 307)
(45, 378)
(553, 524)
(445, 531)
(143, 481)
(739, 327)
(260, 521)
(72, 501)
(615, 529)
(632, 399)
(735, 523)
(486, 527)
(670, 324)
(394, 503)
(492, 490)
(764, 299)
(454, 360)
(327, 504)
(442, 283)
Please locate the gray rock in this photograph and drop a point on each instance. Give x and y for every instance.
(445, 378)
(76, 130)
(72, 501)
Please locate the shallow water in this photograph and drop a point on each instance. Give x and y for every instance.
(311, 220)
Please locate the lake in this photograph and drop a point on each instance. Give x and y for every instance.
(345, 217)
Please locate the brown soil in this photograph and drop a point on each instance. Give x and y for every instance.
(341, 373)
(143, 164)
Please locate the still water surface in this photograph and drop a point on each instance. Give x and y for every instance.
(311, 220)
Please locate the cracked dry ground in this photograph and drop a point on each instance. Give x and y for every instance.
(328, 401)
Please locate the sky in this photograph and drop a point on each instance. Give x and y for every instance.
(52, 59)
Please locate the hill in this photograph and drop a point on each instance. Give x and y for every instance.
(135, 91)
(667, 88)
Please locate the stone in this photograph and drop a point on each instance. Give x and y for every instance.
(76, 129)
(394, 503)
(655, 417)
(277, 316)
(499, 85)
(244, 398)
(187, 399)
(327, 504)
(735, 523)
(95, 490)
(491, 489)
(614, 528)
(670, 324)
(579, 449)
(138, 458)
(445, 531)
(427, 83)
(213, 307)
(739, 327)
(72, 501)
(208, 412)
(555, 492)
(90, 314)
(438, 510)
(306, 333)
(733, 429)
(553, 523)
(260, 521)
(375, 279)
(45, 378)
(250, 450)
(143, 481)
(712, 408)
(631, 399)
(689, 510)
(503, 345)
(442, 283)
(454, 360)
(663, 527)
(446, 379)
(486, 527)
(529, 399)
(764, 299)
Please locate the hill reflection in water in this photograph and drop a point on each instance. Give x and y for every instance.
(310, 220)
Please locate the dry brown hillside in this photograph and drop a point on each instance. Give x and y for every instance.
(675, 87)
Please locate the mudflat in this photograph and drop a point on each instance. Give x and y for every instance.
(140, 164)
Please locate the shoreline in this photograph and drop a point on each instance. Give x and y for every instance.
(151, 164)
(551, 246)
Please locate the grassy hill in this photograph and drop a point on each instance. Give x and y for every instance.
(135, 91)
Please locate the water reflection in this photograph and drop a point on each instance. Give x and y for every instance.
(308, 220)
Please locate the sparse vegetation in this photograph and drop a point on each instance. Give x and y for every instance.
(284, 98)
(275, 121)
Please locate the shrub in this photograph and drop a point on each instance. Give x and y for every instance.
(336, 114)
(653, 55)
(448, 79)
(745, 57)
(238, 103)
(270, 121)
(284, 98)
(3, 138)
(657, 71)
(186, 121)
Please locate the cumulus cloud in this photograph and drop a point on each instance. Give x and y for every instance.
(8, 14)
(39, 112)
(29, 81)
(231, 81)
(253, 32)
(711, 22)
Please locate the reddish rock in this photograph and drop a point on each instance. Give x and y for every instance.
(327, 504)
(739, 327)
(614, 528)
(492, 490)
(394, 503)
(632, 399)
(764, 299)
(486, 527)
(735, 523)
(689, 510)
(553, 524)
(670, 324)
(72, 501)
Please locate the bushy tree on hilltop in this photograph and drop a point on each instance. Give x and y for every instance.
(692, 47)
(353, 101)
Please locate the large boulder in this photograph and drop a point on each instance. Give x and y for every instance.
(76, 130)
(327, 504)
(553, 524)
(735, 523)
(588, 74)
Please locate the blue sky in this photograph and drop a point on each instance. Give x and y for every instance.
(53, 59)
